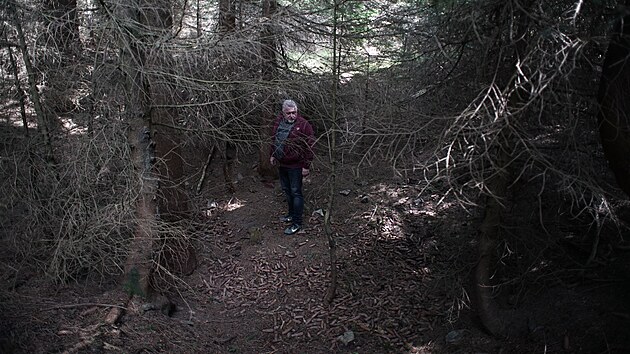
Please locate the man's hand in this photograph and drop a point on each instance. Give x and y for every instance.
(272, 161)
(305, 172)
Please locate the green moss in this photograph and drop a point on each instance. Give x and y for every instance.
(132, 283)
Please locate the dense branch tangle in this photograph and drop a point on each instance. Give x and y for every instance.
(542, 83)
(427, 76)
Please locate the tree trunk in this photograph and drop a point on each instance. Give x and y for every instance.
(332, 184)
(42, 121)
(227, 26)
(227, 16)
(614, 114)
(18, 86)
(153, 140)
(489, 237)
(229, 158)
(173, 204)
(198, 18)
(492, 318)
(268, 48)
(268, 45)
(138, 268)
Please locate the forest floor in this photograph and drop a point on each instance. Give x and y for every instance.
(404, 258)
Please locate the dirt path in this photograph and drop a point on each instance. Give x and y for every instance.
(267, 288)
(404, 263)
(256, 290)
(266, 281)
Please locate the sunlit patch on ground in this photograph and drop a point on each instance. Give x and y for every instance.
(234, 204)
(11, 111)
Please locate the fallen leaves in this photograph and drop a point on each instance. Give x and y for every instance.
(383, 291)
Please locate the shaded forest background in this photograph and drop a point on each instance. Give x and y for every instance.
(112, 111)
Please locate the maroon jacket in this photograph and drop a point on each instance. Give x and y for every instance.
(298, 147)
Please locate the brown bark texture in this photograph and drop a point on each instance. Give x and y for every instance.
(268, 50)
(138, 268)
(156, 156)
(491, 316)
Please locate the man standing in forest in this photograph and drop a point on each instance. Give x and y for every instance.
(292, 152)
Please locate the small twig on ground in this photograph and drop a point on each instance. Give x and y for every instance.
(69, 306)
(79, 346)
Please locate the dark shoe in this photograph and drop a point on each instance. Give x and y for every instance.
(292, 229)
(286, 219)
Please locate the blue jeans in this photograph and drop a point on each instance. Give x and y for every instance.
(291, 183)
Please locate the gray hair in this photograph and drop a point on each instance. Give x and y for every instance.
(289, 104)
